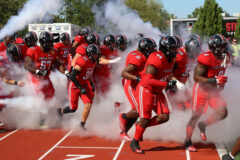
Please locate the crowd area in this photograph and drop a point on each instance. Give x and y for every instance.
(152, 74)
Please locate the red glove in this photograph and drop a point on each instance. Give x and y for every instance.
(221, 79)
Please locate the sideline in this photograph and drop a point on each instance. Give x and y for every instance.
(56, 145)
(8, 134)
(119, 150)
(220, 149)
(188, 154)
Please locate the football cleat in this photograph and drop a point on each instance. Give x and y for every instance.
(134, 145)
(202, 127)
(122, 122)
(189, 146)
(125, 136)
(226, 157)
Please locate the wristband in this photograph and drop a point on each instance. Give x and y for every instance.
(16, 82)
(212, 80)
(138, 78)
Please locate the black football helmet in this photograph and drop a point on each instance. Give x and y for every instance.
(46, 40)
(217, 44)
(121, 42)
(110, 41)
(30, 39)
(168, 45)
(179, 40)
(197, 37)
(85, 31)
(65, 38)
(14, 53)
(93, 39)
(93, 52)
(192, 47)
(147, 46)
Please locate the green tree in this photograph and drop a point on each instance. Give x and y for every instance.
(210, 20)
(152, 11)
(195, 13)
(9, 8)
(237, 32)
(76, 12)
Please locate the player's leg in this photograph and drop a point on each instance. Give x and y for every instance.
(85, 114)
(73, 96)
(235, 150)
(219, 105)
(161, 109)
(87, 101)
(199, 98)
(126, 120)
(145, 105)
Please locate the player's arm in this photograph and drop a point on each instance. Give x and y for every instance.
(59, 66)
(77, 55)
(127, 73)
(72, 76)
(29, 65)
(103, 60)
(200, 74)
(75, 44)
(7, 80)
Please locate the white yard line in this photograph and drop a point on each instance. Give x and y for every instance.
(8, 134)
(55, 145)
(188, 154)
(88, 147)
(220, 149)
(119, 150)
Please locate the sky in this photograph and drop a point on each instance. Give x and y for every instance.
(181, 8)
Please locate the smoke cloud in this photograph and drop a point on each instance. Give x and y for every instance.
(33, 11)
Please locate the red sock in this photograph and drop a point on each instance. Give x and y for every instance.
(139, 132)
(153, 122)
(189, 131)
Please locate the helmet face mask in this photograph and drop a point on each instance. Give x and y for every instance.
(46, 41)
(169, 45)
(93, 52)
(13, 52)
(121, 42)
(92, 39)
(65, 38)
(110, 41)
(193, 48)
(217, 45)
(147, 46)
(30, 39)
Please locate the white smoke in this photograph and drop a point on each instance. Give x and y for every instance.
(32, 11)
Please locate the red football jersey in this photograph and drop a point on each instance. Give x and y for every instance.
(215, 67)
(79, 39)
(86, 69)
(24, 49)
(82, 49)
(104, 70)
(164, 69)
(181, 72)
(137, 59)
(42, 60)
(64, 51)
(3, 55)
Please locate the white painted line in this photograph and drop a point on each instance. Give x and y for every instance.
(188, 154)
(55, 145)
(119, 150)
(88, 147)
(8, 134)
(221, 149)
